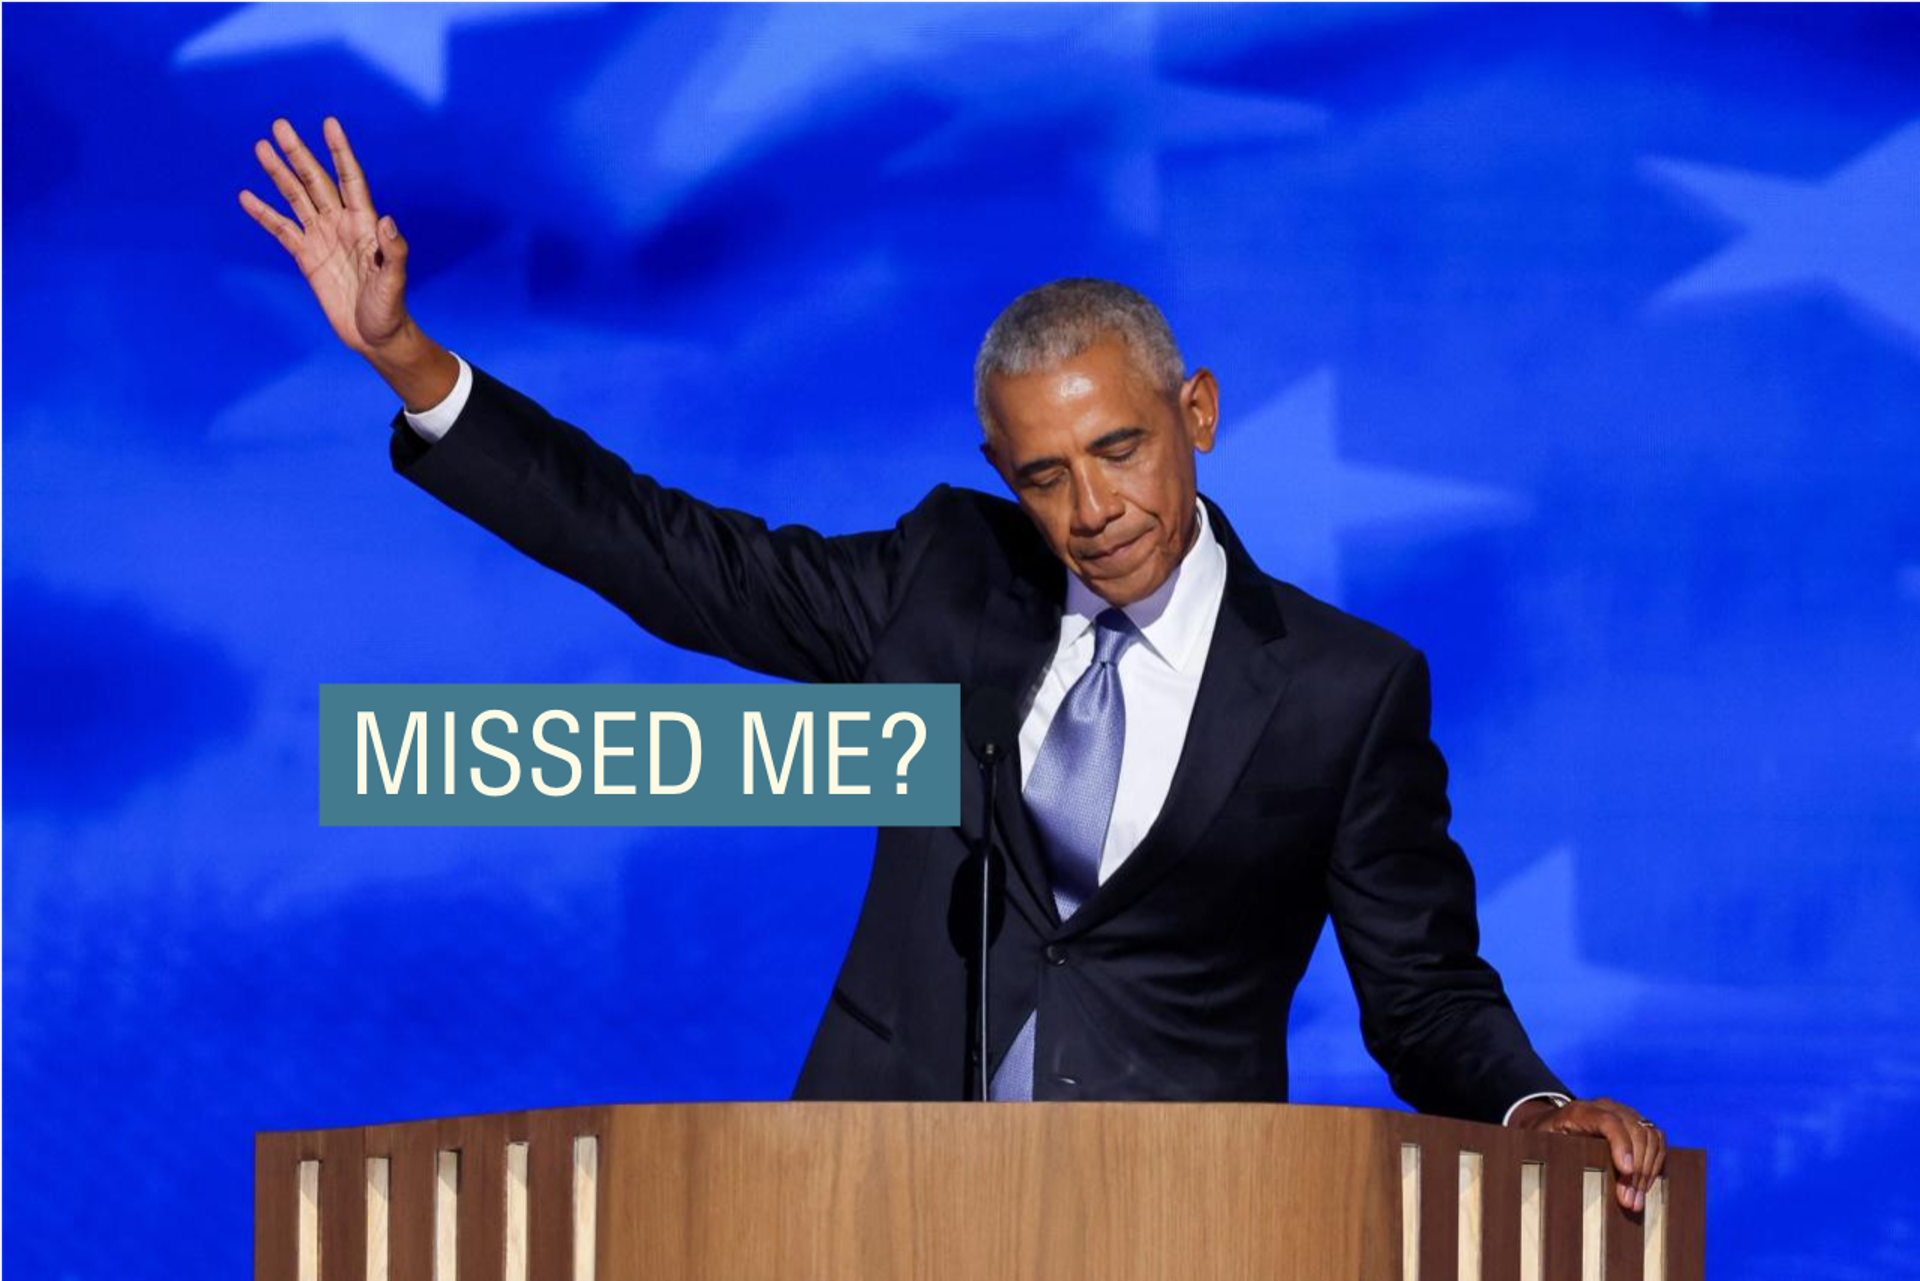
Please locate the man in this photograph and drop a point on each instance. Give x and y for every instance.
(1210, 762)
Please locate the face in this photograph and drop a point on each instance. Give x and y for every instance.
(1103, 464)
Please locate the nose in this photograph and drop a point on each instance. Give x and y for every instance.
(1094, 506)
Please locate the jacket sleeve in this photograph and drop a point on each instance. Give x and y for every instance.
(1432, 1012)
(789, 602)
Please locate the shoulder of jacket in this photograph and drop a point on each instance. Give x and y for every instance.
(968, 532)
(953, 508)
(1326, 626)
(957, 501)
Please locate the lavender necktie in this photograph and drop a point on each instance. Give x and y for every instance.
(1070, 795)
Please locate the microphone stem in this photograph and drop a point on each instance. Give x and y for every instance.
(989, 759)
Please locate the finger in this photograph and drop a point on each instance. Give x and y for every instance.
(281, 228)
(390, 284)
(353, 183)
(284, 181)
(394, 275)
(1646, 1141)
(326, 197)
(1619, 1136)
(1642, 1155)
(1656, 1156)
(1617, 1132)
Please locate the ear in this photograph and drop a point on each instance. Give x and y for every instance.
(993, 460)
(1200, 408)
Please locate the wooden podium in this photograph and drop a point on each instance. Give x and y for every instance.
(891, 1191)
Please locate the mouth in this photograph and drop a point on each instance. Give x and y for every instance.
(1114, 560)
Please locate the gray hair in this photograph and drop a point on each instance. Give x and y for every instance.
(1058, 321)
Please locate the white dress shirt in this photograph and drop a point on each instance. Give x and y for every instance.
(432, 424)
(1159, 680)
(1159, 670)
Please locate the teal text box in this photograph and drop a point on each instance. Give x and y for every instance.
(385, 759)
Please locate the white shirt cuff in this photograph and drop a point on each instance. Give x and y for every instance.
(1559, 1100)
(431, 424)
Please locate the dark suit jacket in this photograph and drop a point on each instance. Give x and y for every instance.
(1307, 785)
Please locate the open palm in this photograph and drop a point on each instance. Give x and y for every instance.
(354, 260)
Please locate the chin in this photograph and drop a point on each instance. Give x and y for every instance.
(1127, 588)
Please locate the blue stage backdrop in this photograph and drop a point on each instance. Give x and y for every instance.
(1580, 346)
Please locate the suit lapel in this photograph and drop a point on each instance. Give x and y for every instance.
(1019, 628)
(1242, 683)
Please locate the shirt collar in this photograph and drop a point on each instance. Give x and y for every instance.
(1172, 619)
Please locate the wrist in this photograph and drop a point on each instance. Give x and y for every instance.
(407, 346)
(420, 371)
(1531, 1112)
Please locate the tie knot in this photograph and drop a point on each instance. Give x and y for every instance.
(1111, 632)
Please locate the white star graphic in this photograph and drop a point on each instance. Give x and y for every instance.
(1852, 232)
(407, 42)
(1280, 478)
(770, 72)
(1130, 118)
(1575, 1011)
(1564, 1001)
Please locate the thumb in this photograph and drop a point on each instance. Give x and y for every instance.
(386, 291)
(393, 257)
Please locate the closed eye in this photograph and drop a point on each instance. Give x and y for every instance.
(1116, 446)
(1121, 444)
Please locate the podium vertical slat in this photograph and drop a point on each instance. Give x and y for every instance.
(1626, 1240)
(379, 1183)
(1472, 1235)
(550, 1137)
(1439, 1209)
(306, 1223)
(1533, 1220)
(1686, 1215)
(275, 1158)
(482, 1227)
(1654, 1235)
(343, 1204)
(515, 1244)
(409, 1151)
(1565, 1173)
(1596, 1201)
(1410, 1159)
(590, 1226)
(446, 1214)
(1500, 1217)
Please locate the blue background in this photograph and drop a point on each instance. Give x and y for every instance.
(1580, 346)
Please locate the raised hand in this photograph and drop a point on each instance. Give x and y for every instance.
(355, 260)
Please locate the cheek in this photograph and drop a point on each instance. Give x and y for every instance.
(1051, 520)
(1136, 490)
(1155, 495)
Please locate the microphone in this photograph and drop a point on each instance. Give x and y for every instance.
(991, 724)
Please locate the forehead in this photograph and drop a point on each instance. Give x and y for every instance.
(1081, 397)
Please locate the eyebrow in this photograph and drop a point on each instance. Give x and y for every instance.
(1119, 435)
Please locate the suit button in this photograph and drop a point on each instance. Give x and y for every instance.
(1068, 1081)
(1056, 955)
